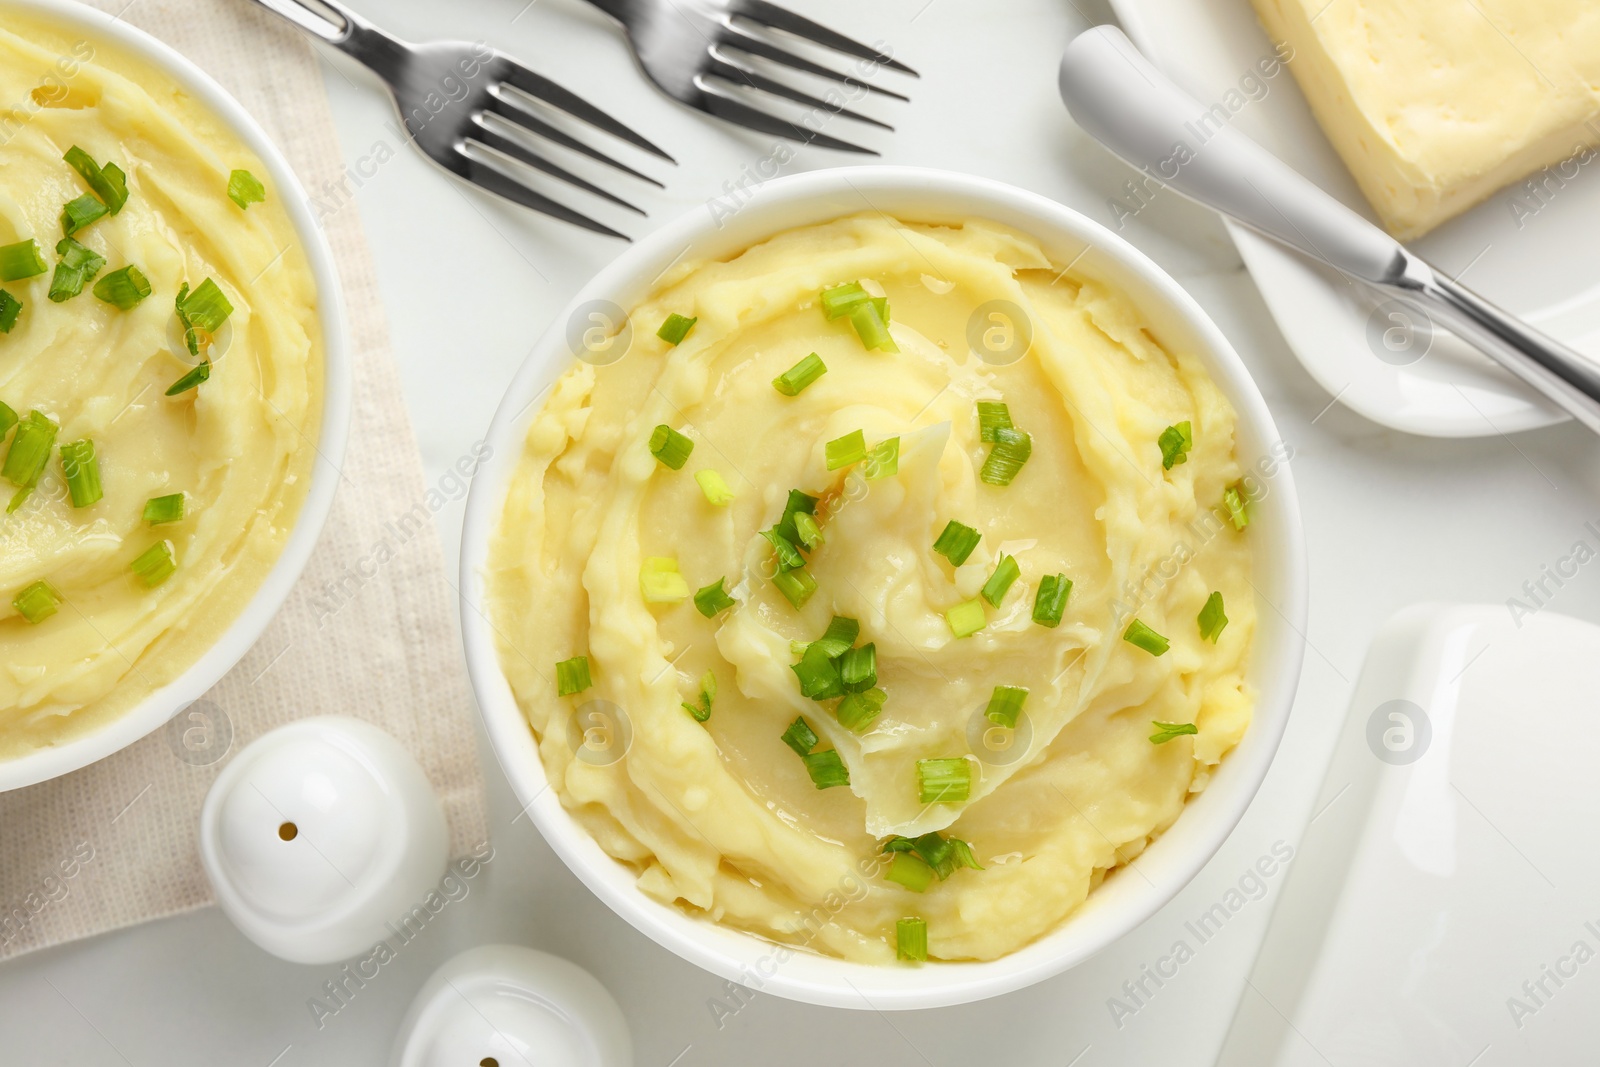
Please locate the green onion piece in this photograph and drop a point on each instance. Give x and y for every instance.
(200, 373)
(883, 459)
(961, 852)
(967, 618)
(881, 305)
(676, 328)
(245, 189)
(65, 283)
(1212, 619)
(838, 637)
(108, 183)
(827, 769)
(857, 710)
(841, 298)
(802, 374)
(944, 781)
(819, 675)
(956, 542)
(843, 451)
(713, 599)
(907, 869)
(155, 564)
(796, 586)
(800, 737)
(858, 668)
(810, 533)
(8, 418)
(708, 694)
(714, 487)
(660, 582)
(911, 939)
(937, 853)
(1005, 572)
(79, 257)
(670, 447)
(572, 676)
(19, 498)
(10, 308)
(30, 450)
(1005, 705)
(1011, 450)
(37, 602)
(206, 308)
(1166, 731)
(789, 557)
(1051, 599)
(123, 288)
(80, 213)
(872, 326)
(81, 468)
(796, 503)
(25, 259)
(1238, 511)
(159, 510)
(992, 415)
(1141, 635)
(1175, 442)
(898, 844)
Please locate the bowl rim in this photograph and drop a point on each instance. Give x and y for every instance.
(168, 701)
(1166, 866)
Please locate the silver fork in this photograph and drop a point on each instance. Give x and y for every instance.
(470, 108)
(703, 53)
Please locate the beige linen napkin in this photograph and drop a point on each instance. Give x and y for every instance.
(114, 844)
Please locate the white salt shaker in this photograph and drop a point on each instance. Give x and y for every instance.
(318, 835)
(505, 1006)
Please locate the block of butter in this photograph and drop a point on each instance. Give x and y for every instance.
(1436, 104)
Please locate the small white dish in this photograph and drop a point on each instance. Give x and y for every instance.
(507, 1006)
(319, 836)
(1124, 900)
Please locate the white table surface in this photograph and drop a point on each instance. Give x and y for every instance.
(469, 284)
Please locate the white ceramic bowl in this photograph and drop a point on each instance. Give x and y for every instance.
(237, 639)
(1125, 899)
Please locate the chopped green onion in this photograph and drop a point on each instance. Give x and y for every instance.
(159, 510)
(937, 853)
(37, 602)
(858, 668)
(800, 737)
(1166, 731)
(796, 503)
(714, 487)
(789, 557)
(899, 844)
(1175, 442)
(806, 526)
(841, 298)
(944, 781)
(8, 418)
(796, 586)
(967, 618)
(883, 459)
(77, 266)
(992, 415)
(81, 468)
(670, 447)
(1141, 635)
(911, 939)
(843, 451)
(80, 213)
(155, 564)
(109, 183)
(908, 869)
(708, 694)
(827, 769)
(961, 852)
(956, 542)
(19, 498)
(1211, 618)
(25, 259)
(572, 676)
(660, 582)
(1051, 599)
(10, 308)
(1005, 572)
(838, 637)
(200, 373)
(245, 189)
(1006, 704)
(202, 311)
(1238, 510)
(818, 674)
(872, 326)
(30, 450)
(1011, 450)
(802, 374)
(857, 710)
(123, 288)
(676, 328)
(713, 599)
(65, 283)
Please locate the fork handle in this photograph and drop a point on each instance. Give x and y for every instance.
(335, 24)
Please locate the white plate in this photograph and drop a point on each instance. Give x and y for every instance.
(1543, 265)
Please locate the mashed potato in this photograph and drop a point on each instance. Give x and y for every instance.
(722, 817)
(240, 446)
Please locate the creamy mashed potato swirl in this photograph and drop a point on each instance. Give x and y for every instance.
(721, 818)
(240, 446)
